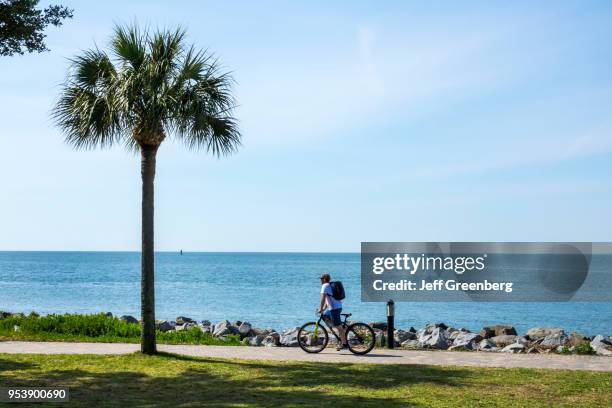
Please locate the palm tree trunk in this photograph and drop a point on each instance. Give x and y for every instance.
(147, 294)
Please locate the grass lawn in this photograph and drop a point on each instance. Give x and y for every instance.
(171, 380)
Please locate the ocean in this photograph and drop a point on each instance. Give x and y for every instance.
(276, 290)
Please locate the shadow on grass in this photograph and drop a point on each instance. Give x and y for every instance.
(203, 381)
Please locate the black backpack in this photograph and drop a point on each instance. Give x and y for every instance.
(337, 290)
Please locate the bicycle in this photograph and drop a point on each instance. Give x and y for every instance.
(313, 337)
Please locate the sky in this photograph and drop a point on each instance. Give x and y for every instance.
(361, 121)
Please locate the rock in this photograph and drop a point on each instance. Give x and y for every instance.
(538, 333)
(576, 339)
(431, 326)
(523, 340)
(256, 340)
(256, 331)
(4, 315)
(206, 323)
(128, 319)
(223, 328)
(271, 340)
(380, 341)
(207, 329)
(165, 326)
(401, 336)
(498, 330)
(533, 350)
(487, 333)
(412, 329)
(107, 314)
(289, 337)
(237, 323)
(411, 344)
(602, 345)
(554, 340)
(244, 329)
(180, 320)
(468, 341)
(438, 339)
(486, 344)
(184, 326)
(504, 340)
(378, 325)
(513, 348)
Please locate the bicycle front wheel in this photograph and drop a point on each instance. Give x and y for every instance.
(312, 337)
(361, 338)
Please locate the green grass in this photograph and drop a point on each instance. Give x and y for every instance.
(172, 380)
(96, 328)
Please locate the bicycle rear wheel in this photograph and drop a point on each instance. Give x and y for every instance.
(312, 337)
(361, 338)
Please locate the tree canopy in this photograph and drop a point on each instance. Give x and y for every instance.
(22, 25)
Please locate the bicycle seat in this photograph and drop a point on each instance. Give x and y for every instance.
(346, 314)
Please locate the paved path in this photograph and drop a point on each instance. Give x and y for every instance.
(377, 356)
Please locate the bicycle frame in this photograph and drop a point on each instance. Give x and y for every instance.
(330, 327)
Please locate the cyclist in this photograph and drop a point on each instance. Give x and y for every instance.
(331, 308)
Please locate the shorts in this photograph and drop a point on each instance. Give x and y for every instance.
(334, 314)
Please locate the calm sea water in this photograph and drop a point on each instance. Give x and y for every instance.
(268, 289)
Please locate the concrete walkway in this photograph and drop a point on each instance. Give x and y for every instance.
(377, 356)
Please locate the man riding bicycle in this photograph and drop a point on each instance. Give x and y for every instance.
(331, 308)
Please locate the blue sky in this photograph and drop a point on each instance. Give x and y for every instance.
(362, 121)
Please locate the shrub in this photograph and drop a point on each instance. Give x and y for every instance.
(99, 327)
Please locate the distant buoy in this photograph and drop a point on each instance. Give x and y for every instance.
(181, 252)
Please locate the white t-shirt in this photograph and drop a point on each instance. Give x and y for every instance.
(331, 302)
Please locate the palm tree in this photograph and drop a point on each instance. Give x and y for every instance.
(149, 86)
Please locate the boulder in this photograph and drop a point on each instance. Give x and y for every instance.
(165, 326)
(467, 341)
(602, 345)
(401, 336)
(244, 329)
(180, 320)
(498, 330)
(504, 340)
(223, 328)
(532, 350)
(128, 319)
(513, 348)
(206, 323)
(378, 325)
(486, 344)
(289, 337)
(431, 326)
(554, 340)
(4, 315)
(237, 323)
(184, 326)
(438, 339)
(256, 340)
(271, 340)
(411, 344)
(538, 333)
(107, 314)
(257, 331)
(207, 329)
(576, 339)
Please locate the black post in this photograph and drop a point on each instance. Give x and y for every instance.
(390, 323)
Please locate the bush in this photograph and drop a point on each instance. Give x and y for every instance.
(98, 327)
(95, 325)
(584, 348)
